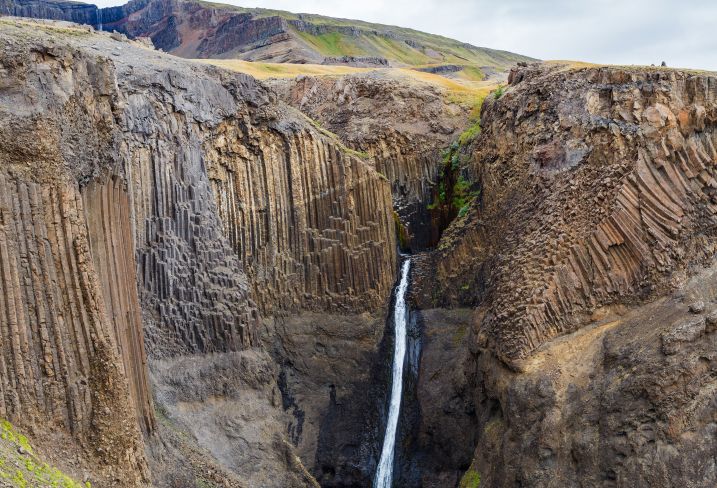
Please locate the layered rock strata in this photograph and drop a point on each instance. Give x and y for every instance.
(197, 29)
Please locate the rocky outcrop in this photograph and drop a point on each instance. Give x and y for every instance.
(596, 192)
(357, 61)
(80, 13)
(402, 125)
(145, 202)
(589, 256)
(607, 405)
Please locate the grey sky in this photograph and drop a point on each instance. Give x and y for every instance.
(602, 31)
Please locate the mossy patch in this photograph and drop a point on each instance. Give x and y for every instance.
(471, 479)
(21, 468)
(401, 233)
(454, 193)
(332, 44)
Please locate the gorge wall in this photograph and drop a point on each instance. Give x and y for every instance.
(402, 124)
(589, 257)
(195, 276)
(154, 208)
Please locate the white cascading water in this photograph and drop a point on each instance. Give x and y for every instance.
(384, 473)
(99, 18)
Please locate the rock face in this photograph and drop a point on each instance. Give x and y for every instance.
(402, 125)
(590, 258)
(597, 193)
(308, 220)
(125, 226)
(195, 277)
(334, 381)
(80, 13)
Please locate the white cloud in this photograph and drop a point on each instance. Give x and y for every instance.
(603, 31)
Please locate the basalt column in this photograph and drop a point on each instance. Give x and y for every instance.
(310, 223)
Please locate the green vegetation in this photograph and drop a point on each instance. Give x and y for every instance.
(471, 479)
(471, 73)
(474, 129)
(469, 134)
(385, 40)
(21, 468)
(454, 193)
(401, 232)
(498, 92)
(332, 44)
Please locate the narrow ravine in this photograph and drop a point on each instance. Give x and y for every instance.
(384, 472)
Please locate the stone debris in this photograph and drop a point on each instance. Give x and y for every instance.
(686, 331)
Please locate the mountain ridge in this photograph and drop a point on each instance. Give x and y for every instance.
(198, 29)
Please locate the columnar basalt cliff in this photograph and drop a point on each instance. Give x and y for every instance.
(590, 258)
(402, 125)
(597, 192)
(125, 227)
(307, 219)
(195, 276)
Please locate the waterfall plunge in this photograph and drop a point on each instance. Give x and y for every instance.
(384, 473)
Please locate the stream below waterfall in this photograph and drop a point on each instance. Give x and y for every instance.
(384, 472)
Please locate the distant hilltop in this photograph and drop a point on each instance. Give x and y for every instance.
(197, 29)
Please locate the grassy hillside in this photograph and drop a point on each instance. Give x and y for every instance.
(467, 88)
(337, 37)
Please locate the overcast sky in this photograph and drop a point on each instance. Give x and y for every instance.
(682, 33)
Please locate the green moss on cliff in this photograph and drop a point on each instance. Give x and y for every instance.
(469, 134)
(402, 233)
(471, 479)
(21, 468)
(454, 192)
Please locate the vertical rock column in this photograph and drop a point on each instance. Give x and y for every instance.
(108, 221)
(311, 223)
(58, 362)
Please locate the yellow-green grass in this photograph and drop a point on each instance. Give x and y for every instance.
(263, 71)
(20, 467)
(332, 44)
(47, 26)
(458, 90)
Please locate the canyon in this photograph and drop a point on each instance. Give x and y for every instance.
(200, 270)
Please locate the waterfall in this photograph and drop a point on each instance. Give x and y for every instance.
(384, 473)
(99, 18)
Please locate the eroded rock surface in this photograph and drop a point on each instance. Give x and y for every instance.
(597, 188)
